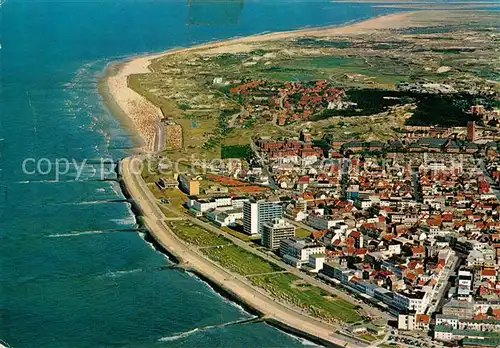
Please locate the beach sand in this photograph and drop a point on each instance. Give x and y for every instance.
(146, 117)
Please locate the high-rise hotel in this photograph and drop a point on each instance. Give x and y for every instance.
(255, 214)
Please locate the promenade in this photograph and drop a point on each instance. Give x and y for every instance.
(268, 308)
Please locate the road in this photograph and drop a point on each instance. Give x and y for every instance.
(233, 283)
(442, 284)
(373, 312)
(160, 140)
(489, 178)
(272, 183)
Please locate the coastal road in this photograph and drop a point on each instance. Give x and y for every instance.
(372, 311)
(159, 137)
(188, 257)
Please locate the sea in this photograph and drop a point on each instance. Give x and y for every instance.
(75, 270)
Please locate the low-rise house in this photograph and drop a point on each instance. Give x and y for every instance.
(296, 251)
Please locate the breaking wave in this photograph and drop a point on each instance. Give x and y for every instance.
(178, 336)
(115, 274)
(304, 341)
(204, 328)
(213, 291)
(76, 233)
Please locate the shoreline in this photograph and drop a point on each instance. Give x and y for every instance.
(122, 100)
(113, 107)
(118, 97)
(270, 311)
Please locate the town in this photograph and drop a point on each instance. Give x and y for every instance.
(350, 180)
(410, 227)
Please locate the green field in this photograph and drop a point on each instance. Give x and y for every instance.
(302, 232)
(384, 345)
(235, 151)
(244, 237)
(311, 298)
(240, 261)
(286, 287)
(196, 235)
(368, 337)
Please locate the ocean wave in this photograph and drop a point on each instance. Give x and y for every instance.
(4, 344)
(115, 187)
(205, 328)
(76, 233)
(152, 246)
(50, 181)
(127, 221)
(213, 291)
(303, 341)
(115, 274)
(94, 202)
(178, 336)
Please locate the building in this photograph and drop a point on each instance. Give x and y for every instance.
(464, 289)
(471, 131)
(225, 217)
(322, 222)
(482, 338)
(460, 309)
(173, 135)
(164, 183)
(338, 272)
(412, 321)
(205, 204)
(417, 301)
(447, 320)
(316, 262)
(255, 214)
(189, 184)
(274, 231)
(296, 251)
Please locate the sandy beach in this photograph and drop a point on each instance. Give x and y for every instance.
(147, 117)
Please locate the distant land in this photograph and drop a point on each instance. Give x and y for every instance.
(364, 81)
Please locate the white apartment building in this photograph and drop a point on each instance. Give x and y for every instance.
(322, 222)
(296, 251)
(225, 217)
(414, 301)
(255, 214)
(447, 320)
(274, 231)
(205, 204)
(464, 289)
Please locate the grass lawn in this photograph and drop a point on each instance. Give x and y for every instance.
(235, 151)
(244, 237)
(316, 301)
(166, 212)
(385, 345)
(368, 337)
(284, 286)
(239, 260)
(302, 232)
(196, 235)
